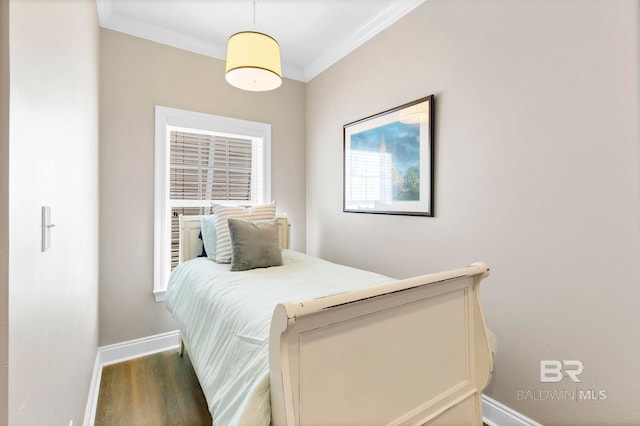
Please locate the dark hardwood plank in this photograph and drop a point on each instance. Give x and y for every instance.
(160, 389)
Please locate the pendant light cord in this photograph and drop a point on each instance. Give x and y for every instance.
(254, 15)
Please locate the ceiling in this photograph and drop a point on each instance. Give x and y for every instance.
(313, 34)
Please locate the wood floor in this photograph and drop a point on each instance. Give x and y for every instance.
(155, 390)
(159, 389)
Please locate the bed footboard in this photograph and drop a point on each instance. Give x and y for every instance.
(413, 351)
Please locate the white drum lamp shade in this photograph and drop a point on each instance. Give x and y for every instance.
(253, 62)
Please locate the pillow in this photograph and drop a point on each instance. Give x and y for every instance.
(209, 240)
(223, 213)
(254, 244)
(204, 251)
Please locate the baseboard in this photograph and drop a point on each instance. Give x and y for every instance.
(137, 348)
(92, 399)
(120, 352)
(496, 414)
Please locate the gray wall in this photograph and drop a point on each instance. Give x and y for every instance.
(537, 174)
(136, 75)
(53, 296)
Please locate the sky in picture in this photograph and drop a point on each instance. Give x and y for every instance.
(401, 140)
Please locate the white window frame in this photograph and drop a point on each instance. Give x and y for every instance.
(168, 119)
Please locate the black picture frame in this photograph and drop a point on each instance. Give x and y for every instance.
(388, 161)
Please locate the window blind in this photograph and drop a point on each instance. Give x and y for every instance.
(209, 167)
(175, 229)
(205, 167)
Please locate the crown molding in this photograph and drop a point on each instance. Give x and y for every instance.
(134, 27)
(360, 36)
(116, 22)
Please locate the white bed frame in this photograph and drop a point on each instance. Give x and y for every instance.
(411, 352)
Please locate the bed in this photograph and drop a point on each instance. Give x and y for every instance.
(315, 343)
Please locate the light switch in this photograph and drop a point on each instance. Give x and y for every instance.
(46, 227)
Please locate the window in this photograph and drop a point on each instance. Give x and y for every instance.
(371, 177)
(201, 159)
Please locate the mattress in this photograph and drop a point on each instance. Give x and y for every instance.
(225, 316)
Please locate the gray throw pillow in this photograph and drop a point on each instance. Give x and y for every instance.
(254, 244)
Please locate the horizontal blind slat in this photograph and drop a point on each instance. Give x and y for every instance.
(206, 167)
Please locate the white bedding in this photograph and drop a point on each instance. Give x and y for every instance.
(225, 316)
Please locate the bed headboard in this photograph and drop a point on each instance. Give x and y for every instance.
(191, 245)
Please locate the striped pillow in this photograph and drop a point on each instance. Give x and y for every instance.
(223, 213)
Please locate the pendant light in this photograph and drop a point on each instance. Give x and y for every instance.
(253, 60)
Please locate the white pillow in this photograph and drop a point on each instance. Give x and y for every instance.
(208, 230)
(221, 215)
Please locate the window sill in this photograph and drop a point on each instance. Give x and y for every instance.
(159, 295)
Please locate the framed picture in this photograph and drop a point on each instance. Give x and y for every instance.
(389, 161)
